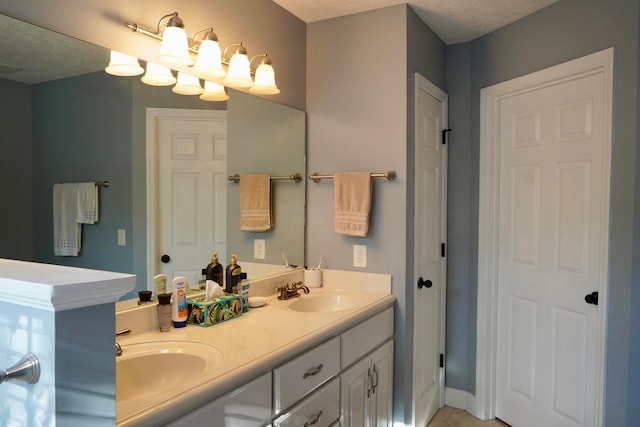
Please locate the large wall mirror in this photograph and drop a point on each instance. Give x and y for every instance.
(91, 126)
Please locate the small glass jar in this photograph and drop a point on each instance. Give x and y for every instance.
(164, 312)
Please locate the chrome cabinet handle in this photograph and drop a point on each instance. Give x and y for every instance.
(316, 420)
(369, 389)
(313, 371)
(375, 385)
(335, 422)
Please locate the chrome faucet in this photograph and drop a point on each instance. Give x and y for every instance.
(289, 291)
(125, 331)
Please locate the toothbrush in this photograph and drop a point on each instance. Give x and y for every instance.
(320, 262)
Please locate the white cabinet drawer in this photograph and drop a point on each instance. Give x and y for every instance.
(321, 409)
(361, 339)
(299, 376)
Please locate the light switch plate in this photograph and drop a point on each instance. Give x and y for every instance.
(122, 237)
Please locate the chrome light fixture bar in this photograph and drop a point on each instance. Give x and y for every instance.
(176, 48)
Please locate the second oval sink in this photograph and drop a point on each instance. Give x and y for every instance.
(327, 302)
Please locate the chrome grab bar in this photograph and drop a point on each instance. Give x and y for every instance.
(26, 369)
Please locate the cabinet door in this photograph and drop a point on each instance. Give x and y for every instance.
(381, 398)
(355, 388)
(246, 406)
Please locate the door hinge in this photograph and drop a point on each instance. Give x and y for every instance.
(443, 250)
(444, 136)
(441, 360)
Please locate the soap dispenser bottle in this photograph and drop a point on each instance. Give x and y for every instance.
(232, 276)
(215, 271)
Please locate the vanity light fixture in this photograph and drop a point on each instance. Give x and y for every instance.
(213, 92)
(209, 61)
(175, 46)
(123, 65)
(265, 78)
(157, 75)
(210, 64)
(187, 85)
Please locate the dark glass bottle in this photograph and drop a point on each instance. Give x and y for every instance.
(215, 271)
(232, 277)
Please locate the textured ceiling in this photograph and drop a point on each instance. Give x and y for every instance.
(455, 21)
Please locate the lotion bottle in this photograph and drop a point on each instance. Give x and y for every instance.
(215, 271)
(232, 277)
(180, 311)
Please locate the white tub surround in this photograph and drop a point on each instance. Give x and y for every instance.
(65, 317)
(252, 344)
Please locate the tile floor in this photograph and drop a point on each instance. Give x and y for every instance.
(452, 417)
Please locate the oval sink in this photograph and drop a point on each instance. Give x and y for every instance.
(327, 302)
(150, 368)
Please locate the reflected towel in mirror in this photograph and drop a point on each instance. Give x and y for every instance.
(255, 203)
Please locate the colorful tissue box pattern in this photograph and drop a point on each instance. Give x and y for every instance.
(216, 310)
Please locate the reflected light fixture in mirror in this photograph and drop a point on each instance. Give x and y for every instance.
(157, 75)
(123, 65)
(187, 85)
(239, 72)
(175, 46)
(213, 92)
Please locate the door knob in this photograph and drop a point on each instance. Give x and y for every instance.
(424, 283)
(165, 258)
(592, 298)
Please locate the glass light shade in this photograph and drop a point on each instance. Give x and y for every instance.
(187, 85)
(157, 75)
(239, 73)
(265, 81)
(213, 92)
(175, 47)
(209, 61)
(123, 65)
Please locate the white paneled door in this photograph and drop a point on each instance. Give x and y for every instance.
(552, 238)
(430, 233)
(191, 152)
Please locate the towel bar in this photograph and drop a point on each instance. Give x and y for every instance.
(296, 177)
(390, 175)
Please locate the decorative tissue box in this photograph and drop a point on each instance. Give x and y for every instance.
(216, 310)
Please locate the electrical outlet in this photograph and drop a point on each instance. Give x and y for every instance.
(122, 237)
(360, 256)
(259, 250)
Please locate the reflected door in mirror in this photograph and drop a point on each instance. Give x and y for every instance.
(191, 171)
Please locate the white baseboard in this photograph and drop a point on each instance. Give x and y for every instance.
(464, 400)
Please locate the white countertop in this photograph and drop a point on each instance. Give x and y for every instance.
(250, 345)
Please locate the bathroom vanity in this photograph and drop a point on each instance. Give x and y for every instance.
(322, 359)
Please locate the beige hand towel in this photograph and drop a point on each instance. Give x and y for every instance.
(352, 203)
(255, 203)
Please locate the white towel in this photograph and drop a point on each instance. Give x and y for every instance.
(352, 203)
(255, 203)
(66, 229)
(87, 203)
(73, 204)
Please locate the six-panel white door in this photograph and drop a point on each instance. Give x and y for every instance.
(552, 235)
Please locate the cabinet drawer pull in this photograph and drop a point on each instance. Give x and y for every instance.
(370, 377)
(314, 421)
(313, 371)
(335, 422)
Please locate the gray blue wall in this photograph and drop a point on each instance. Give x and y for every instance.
(15, 171)
(566, 30)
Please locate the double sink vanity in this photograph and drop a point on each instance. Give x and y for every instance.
(321, 359)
